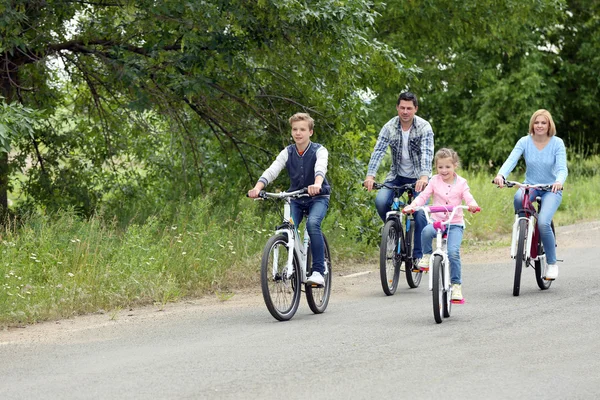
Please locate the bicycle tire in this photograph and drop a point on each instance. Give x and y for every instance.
(281, 294)
(540, 265)
(318, 297)
(438, 289)
(413, 275)
(520, 256)
(389, 258)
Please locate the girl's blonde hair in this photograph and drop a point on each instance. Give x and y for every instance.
(544, 113)
(447, 153)
(303, 117)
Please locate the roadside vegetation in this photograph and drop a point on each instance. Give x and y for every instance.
(60, 265)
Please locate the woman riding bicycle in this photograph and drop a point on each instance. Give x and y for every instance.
(546, 163)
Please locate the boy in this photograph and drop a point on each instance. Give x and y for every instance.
(306, 163)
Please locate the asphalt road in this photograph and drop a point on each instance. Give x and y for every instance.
(540, 345)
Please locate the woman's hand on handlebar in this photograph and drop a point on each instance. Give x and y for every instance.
(499, 180)
(556, 186)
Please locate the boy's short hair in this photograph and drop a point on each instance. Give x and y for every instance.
(303, 117)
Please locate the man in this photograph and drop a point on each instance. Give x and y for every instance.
(411, 139)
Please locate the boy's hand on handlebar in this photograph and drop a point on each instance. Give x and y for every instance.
(368, 183)
(253, 193)
(314, 189)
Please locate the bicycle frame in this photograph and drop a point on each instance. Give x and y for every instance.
(530, 216)
(294, 244)
(441, 240)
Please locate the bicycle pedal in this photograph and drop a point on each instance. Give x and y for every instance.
(314, 285)
(549, 279)
(458, 301)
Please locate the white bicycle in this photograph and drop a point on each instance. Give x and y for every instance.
(439, 264)
(286, 263)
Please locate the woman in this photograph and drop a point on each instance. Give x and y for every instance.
(546, 164)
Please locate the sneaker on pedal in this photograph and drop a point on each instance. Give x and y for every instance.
(551, 271)
(424, 262)
(316, 279)
(457, 293)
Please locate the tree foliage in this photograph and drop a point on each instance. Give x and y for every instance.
(178, 97)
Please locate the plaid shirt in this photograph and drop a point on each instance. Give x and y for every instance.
(420, 146)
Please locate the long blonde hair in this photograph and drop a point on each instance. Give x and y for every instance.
(546, 114)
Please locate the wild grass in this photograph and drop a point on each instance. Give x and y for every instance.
(57, 266)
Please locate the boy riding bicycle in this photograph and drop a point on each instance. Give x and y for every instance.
(306, 163)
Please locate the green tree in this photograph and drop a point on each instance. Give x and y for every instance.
(145, 95)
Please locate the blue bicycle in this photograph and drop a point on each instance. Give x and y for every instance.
(397, 241)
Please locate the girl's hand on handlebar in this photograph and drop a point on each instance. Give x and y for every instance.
(499, 180)
(556, 186)
(408, 210)
(314, 189)
(474, 209)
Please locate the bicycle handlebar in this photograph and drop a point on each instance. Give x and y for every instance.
(540, 186)
(439, 209)
(406, 186)
(283, 195)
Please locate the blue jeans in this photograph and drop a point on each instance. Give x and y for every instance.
(550, 203)
(316, 208)
(383, 203)
(455, 235)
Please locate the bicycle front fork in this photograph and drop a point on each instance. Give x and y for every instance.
(515, 236)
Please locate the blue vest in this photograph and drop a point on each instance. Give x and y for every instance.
(301, 169)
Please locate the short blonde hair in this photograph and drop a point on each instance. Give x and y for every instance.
(303, 117)
(447, 153)
(544, 113)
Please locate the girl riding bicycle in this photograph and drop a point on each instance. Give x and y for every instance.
(448, 189)
(306, 163)
(546, 163)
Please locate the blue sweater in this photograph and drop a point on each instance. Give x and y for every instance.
(544, 166)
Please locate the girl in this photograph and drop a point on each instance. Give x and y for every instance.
(449, 189)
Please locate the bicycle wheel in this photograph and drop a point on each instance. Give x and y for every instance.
(438, 289)
(318, 296)
(389, 257)
(412, 272)
(280, 292)
(520, 256)
(540, 266)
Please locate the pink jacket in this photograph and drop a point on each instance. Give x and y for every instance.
(446, 194)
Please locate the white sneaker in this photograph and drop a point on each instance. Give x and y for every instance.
(424, 262)
(457, 292)
(316, 279)
(551, 271)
